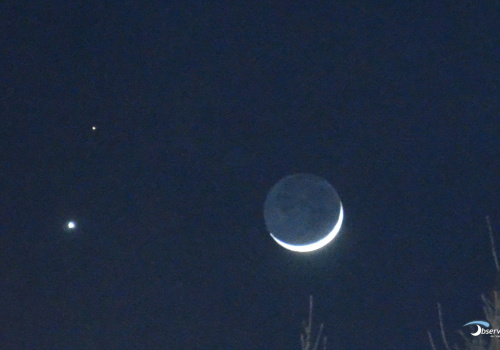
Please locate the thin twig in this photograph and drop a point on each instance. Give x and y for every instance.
(441, 325)
(431, 341)
(306, 338)
(310, 321)
(492, 240)
(319, 337)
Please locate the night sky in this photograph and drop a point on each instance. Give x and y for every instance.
(199, 108)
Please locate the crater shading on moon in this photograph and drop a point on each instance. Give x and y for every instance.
(303, 212)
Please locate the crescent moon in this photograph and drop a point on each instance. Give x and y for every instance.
(478, 331)
(318, 244)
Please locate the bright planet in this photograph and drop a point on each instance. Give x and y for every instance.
(303, 212)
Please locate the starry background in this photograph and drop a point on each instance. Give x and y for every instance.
(200, 108)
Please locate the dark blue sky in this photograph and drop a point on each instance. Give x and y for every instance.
(200, 109)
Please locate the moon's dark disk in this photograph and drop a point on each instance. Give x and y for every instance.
(303, 212)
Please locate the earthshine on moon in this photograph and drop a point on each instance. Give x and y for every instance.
(303, 212)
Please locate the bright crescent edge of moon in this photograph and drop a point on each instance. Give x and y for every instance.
(316, 245)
